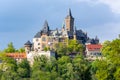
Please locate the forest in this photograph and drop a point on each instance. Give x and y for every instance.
(63, 67)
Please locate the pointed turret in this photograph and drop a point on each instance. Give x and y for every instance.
(96, 40)
(57, 33)
(28, 46)
(45, 23)
(45, 27)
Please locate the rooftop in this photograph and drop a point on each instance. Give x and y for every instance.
(17, 55)
(92, 47)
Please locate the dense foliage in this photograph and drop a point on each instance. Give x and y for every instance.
(109, 67)
(12, 70)
(65, 67)
(71, 47)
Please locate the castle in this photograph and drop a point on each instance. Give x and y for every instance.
(47, 37)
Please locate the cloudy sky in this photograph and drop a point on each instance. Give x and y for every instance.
(21, 19)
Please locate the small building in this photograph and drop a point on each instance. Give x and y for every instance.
(93, 51)
(17, 56)
(30, 56)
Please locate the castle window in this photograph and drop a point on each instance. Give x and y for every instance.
(38, 43)
(36, 39)
(43, 39)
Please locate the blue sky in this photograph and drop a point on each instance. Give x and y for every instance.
(21, 19)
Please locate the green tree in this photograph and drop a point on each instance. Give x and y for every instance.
(108, 68)
(100, 70)
(8, 68)
(81, 68)
(21, 50)
(44, 68)
(63, 69)
(10, 48)
(117, 74)
(72, 46)
(61, 49)
(24, 69)
(75, 47)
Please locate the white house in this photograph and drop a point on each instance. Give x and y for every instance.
(93, 51)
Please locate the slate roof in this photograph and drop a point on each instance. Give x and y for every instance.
(92, 41)
(45, 27)
(28, 43)
(38, 35)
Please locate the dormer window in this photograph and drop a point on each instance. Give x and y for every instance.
(38, 43)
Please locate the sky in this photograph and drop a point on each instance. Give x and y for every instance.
(20, 20)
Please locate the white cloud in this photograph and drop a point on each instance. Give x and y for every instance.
(113, 4)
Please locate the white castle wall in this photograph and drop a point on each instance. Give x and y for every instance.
(32, 54)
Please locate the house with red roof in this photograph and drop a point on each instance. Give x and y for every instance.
(93, 51)
(17, 56)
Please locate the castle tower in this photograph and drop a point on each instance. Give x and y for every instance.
(28, 46)
(44, 36)
(69, 21)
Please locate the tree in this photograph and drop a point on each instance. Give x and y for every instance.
(100, 70)
(24, 69)
(108, 68)
(81, 68)
(8, 68)
(117, 74)
(63, 68)
(44, 68)
(61, 49)
(10, 48)
(73, 46)
(21, 50)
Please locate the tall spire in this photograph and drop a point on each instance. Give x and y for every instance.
(70, 14)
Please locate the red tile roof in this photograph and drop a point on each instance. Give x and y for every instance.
(17, 55)
(93, 47)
